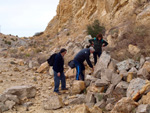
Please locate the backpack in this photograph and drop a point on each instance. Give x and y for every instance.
(71, 64)
(51, 59)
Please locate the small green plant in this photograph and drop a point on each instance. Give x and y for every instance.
(85, 91)
(100, 97)
(7, 42)
(27, 55)
(95, 29)
(13, 39)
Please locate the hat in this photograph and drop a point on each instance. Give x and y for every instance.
(92, 49)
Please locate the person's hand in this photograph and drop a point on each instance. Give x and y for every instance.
(103, 45)
(93, 69)
(58, 74)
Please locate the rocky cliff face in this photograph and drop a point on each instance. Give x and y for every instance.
(76, 14)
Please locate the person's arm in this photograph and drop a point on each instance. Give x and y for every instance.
(91, 41)
(88, 61)
(104, 43)
(57, 64)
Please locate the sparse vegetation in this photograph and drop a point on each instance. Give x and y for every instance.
(100, 97)
(38, 33)
(68, 34)
(7, 42)
(95, 28)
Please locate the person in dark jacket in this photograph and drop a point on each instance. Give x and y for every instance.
(58, 68)
(98, 43)
(83, 55)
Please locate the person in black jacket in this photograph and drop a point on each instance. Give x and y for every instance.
(83, 55)
(98, 43)
(58, 68)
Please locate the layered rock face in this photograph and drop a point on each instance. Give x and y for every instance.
(76, 14)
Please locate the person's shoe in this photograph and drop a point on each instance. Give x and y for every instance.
(58, 93)
(64, 89)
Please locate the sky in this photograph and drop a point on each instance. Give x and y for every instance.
(26, 17)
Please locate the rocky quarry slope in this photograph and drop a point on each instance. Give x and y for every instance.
(120, 82)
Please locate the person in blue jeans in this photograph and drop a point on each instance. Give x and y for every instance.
(58, 68)
(98, 43)
(79, 59)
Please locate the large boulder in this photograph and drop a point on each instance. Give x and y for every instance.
(143, 108)
(43, 67)
(125, 105)
(21, 91)
(137, 88)
(77, 86)
(145, 99)
(126, 64)
(14, 95)
(53, 102)
(102, 63)
(80, 109)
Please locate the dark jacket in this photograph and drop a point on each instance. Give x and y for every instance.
(83, 55)
(58, 63)
(98, 44)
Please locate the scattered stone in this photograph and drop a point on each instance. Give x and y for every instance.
(22, 91)
(125, 105)
(147, 66)
(96, 109)
(145, 99)
(116, 78)
(101, 104)
(10, 104)
(126, 65)
(80, 99)
(77, 87)
(80, 109)
(90, 98)
(101, 83)
(53, 102)
(43, 67)
(137, 88)
(109, 107)
(143, 108)
(143, 73)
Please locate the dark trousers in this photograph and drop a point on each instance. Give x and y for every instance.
(57, 80)
(95, 54)
(79, 70)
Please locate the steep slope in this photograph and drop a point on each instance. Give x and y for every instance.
(76, 14)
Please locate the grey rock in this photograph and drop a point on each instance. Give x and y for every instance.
(22, 91)
(100, 83)
(102, 63)
(126, 64)
(135, 86)
(79, 100)
(110, 89)
(52, 103)
(116, 78)
(101, 104)
(143, 108)
(90, 98)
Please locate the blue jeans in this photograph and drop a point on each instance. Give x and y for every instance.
(95, 54)
(79, 68)
(57, 80)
